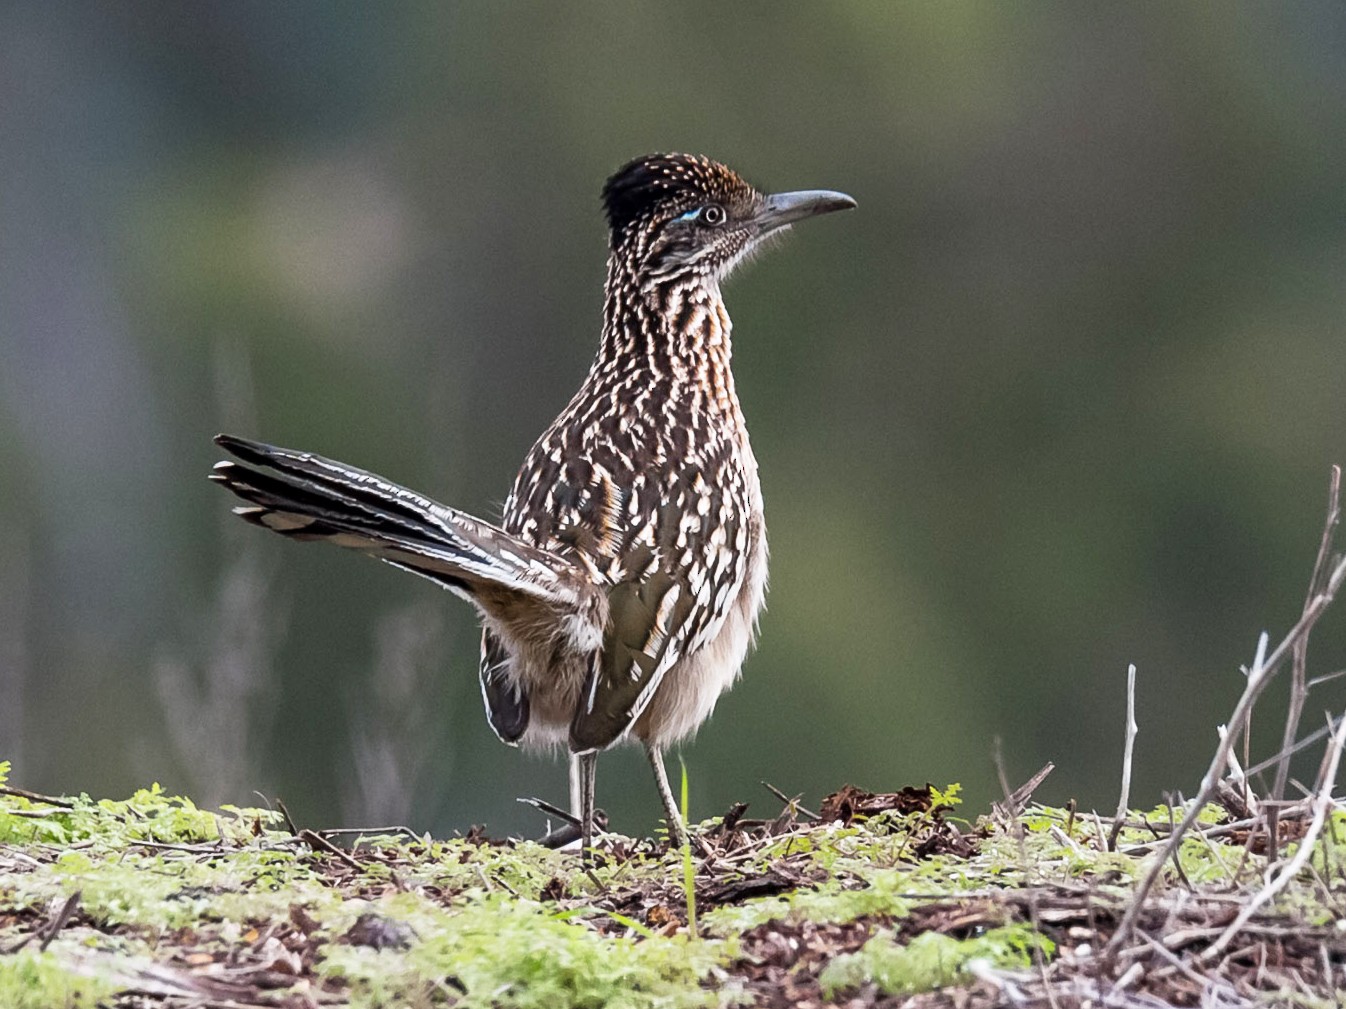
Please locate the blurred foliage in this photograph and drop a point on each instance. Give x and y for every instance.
(1060, 396)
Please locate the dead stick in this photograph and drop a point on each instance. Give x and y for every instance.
(1258, 677)
(1299, 690)
(1018, 799)
(320, 843)
(1322, 805)
(1131, 730)
(23, 793)
(289, 820)
(794, 803)
(59, 922)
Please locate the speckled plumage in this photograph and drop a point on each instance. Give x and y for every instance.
(620, 592)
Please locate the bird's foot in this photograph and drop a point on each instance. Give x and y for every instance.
(570, 830)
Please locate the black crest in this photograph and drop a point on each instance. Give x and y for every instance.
(675, 180)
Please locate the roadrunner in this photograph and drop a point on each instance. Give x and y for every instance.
(620, 592)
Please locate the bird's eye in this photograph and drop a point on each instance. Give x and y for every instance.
(713, 214)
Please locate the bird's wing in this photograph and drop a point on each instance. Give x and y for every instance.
(507, 706)
(679, 591)
(648, 624)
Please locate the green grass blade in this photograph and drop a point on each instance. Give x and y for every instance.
(688, 871)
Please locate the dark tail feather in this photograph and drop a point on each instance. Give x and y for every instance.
(305, 496)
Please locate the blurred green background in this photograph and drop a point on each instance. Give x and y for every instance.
(1061, 395)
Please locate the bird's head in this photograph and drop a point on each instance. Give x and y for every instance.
(683, 218)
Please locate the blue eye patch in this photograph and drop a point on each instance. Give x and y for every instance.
(690, 215)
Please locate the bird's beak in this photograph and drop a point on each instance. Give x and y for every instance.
(781, 209)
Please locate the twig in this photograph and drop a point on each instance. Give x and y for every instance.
(1258, 678)
(1322, 805)
(1299, 690)
(1177, 964)
(1302, 744)
(23, 793)
(1129, 977)
(20, 856)
(1326, 678)
(792, 803)
(371, 832)
(320, 843)
(47, 931)
(1131, 730)
(1240, 802)
(984, 972)
(1043, 977)
(1177, 862)
(1009, 812)
(1288, 809)
(289, 820)
(1065, 840)
(209, 848)
(1016, 800)
(59, 922)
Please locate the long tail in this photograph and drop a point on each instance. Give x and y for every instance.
(305, 497)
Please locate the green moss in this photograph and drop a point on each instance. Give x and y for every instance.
(498, 951)
(148, 815)
(1286, 998)
(33, 980)
(160, 891)
(834, 901)
(523, 869)
(158, 877)
(931, 960)
(154, 866)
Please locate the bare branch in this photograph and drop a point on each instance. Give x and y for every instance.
(1259, 676)
(1322, 805)
(1299, 688)
(1131, 730)
(1302, 744)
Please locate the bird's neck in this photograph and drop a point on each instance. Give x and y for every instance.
(673, 327)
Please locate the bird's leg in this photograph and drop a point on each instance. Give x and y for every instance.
(587, 763)
(575, 788)
(677, 830)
